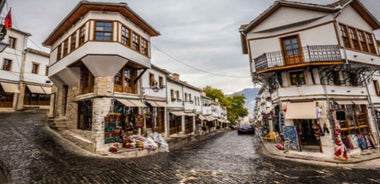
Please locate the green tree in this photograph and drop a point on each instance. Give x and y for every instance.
(236, 110)
(234, 104)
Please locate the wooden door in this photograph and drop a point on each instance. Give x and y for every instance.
(291, 49)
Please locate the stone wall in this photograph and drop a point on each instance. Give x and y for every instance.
(72, 107)
(101, 107)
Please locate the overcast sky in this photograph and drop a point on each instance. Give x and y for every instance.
(200, 33)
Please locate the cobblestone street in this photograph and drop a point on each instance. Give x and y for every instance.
(31, 154)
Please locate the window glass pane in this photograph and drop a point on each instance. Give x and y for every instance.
(287, 42)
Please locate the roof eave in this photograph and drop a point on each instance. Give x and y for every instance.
(150, 30)
(279, 4)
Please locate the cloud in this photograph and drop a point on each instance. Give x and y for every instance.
(203, 34)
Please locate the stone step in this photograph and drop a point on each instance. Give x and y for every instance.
(78, 140)
(58, 124)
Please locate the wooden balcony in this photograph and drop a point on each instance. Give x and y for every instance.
(310, 55)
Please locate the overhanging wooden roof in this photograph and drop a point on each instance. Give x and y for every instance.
(329, 8)
(84, 7)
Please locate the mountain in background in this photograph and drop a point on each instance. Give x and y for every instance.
(250, 97)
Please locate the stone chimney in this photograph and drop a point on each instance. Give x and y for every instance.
(175, 76)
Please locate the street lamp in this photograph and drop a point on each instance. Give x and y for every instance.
(3, 46)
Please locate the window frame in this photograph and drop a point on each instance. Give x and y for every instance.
(12, 42)
(8, 66)
(135, 41)
(358, 40)
(35, 68)
(377, 87)
(298, 78)
(160, 82)
(73, 41)
(125, 37)
(104, 31)
(123, 81)
(82, 35)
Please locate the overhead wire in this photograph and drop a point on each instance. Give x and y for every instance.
(195, 68)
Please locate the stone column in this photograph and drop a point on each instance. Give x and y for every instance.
(194, 127)
(183, 124)
(20, 96)
(101, 107)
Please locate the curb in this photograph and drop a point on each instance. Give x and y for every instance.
(314, 161)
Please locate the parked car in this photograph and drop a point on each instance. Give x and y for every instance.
(232, 127)
(245, 129)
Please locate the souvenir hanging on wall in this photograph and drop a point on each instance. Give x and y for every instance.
(112, 128)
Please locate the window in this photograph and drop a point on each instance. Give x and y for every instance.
(82, 35)
(190, 100)
(59, 52)
(297, 78)
(35, 68)
(172, 95)
(291, 48)
(7, 65)
(377, 87)
(124, 80)
(47, 71)
(125, 36)
(160, 82)
(370, 43)
(135, 42)
(85, 115)
(177, 94)
(343, 31)
(65, 47)
(73, 42)
(35, 98)
(12, 42)
(103, 31)
(86, 81)
(362, 41)
(152, 82)
(144, 47)
(185, 97)
(354, 39)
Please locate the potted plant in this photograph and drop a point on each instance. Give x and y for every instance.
(204, 128)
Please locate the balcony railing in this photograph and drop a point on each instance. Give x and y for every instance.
(310, 53)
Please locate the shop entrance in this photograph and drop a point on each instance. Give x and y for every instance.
(189, 124)
(85, 115)
(308, 134)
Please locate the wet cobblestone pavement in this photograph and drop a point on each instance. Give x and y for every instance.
(31, 154)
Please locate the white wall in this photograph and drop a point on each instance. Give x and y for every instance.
(176, 87)
(145, 83)
(43, 63)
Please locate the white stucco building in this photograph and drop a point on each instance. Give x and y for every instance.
(24, 82)
(317, 62)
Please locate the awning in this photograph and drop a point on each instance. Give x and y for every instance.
(178, 113)
(47, 90)
(137, 103)
(189, 114)
(201, 117)
(210, 118)
(36, 89)
(153, 104)
(9, 87)
(162, 104)
(344, 102)
(378, 110)
(301, 110)
(360, 102)
(126, 102)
